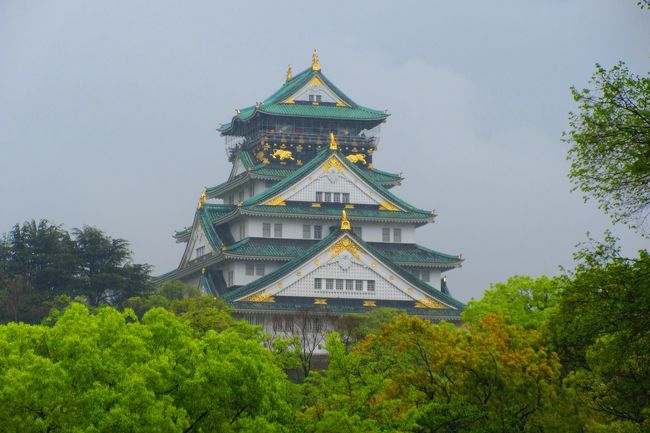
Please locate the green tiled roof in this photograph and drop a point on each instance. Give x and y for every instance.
(315, 162)
(401, 254)
(282, 305)
(359, 212)
(273, 104)
(320, 246)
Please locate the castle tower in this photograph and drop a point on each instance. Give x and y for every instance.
(305, 223)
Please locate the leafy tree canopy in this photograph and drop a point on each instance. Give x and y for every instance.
(610, 144)
(522, 300)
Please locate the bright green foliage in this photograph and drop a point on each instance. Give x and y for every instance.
(108, 372)
(418, 377)
(522, 300)
(610, 138)
(602, 333)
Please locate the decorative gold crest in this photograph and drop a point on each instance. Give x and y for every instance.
(345, 244)
(275, 201)
(260, 297)
(333, 162)
(358, 157)
(369, 303)
(320, 301)
(384, 205)
(428, 303)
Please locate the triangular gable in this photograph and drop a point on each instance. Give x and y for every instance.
(343, 257)
(316, 86)
(203, 235)
(330, 173)
(241, 164)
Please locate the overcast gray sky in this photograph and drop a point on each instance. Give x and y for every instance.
(108, 112)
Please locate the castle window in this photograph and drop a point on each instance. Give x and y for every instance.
(259, 269)
(250, 268)
(251, 190)
(266, 230)
(318, 283)
(329, 284)
(371, 285)
(230, 278)
(339, 284)
(240, 195)
(426, 275)
(200, 251)
(346, 197)
(397, 235)
(306, 231)
(318, 232)
(242, 231)
(328, 197)
(277, 230)
(336, 197)
(385, 234)
(357, 230)
(349, 284)
(358, 285)
(319, 196)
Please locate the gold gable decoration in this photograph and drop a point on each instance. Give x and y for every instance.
(333, 162)
(428, 303)
(275, 201)
(384, 205)
(358, 157)
(260, 297)
(345, 244)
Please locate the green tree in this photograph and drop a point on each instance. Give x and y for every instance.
(602, 333)
(610, 144)
(521, 299)
(414, 376)
(107, 274)
(108, 372)
(38, 263)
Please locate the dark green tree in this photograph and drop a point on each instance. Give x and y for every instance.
(610, 144)
(107, 274)
(38, 263)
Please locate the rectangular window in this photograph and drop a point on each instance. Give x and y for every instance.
(336, 197)
(259, 269)
(426, 276)
(358, 285)
(346, 197)
(306, 231)
(329, 284)
(357, 230)
(231, 278)
(240, 195)
(371, 285)
(251, 190)
(250, 268)
(397, 235)
(277, 230)
(328, 197)
(318, 232)
(266, 230)
(319, 98)
(318, 283)
(200, 251)
(349, 284)
(339, 284)
(385, 234)
(242, 231)
(319, 196)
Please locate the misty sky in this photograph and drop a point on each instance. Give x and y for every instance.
(108, 112)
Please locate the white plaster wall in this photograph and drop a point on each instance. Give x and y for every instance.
(198, 240)
(239, 271)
